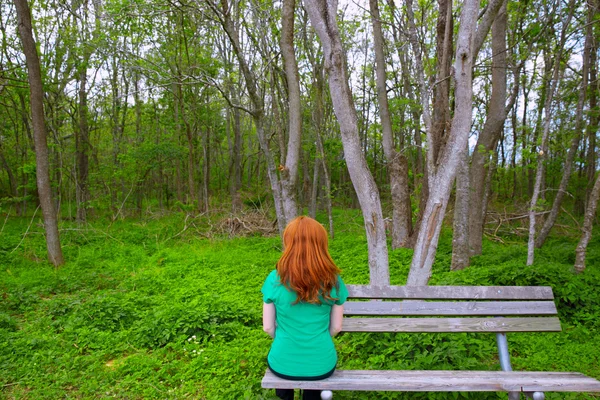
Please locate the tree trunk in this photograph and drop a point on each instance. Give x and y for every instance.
(490, 134)
(586, 230)
(441, 93)
(441, 178)
(289, 172)
(460, 231)
(544, 148)
(82, 150)
(55, 255)
(397, 164)
(236, 162)
(323, 19)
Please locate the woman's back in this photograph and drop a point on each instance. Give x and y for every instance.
(303, 346)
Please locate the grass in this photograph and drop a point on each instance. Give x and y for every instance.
(145, 310)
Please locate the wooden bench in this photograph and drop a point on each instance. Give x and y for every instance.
(489, 309)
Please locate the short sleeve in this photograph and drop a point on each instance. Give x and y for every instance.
(342, 292)
(268, 286)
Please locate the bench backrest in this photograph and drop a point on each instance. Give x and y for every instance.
(450, 309)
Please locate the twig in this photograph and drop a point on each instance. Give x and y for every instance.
(27, 231)
(572, 217)
(123, 203)
(6, 219)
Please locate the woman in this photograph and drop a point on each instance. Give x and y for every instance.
(303, 308)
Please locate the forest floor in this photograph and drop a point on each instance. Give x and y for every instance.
(170, 308)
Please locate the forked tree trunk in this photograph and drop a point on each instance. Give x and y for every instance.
(289, 172)
(546, 130)
(34, 76)
(397, 163)
(441, 177)
(586, 230)
(323, 19)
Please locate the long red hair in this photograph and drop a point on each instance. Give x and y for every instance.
(305, 265)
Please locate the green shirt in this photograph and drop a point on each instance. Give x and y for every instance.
(302, 346)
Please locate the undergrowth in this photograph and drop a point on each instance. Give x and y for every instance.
(147, 309)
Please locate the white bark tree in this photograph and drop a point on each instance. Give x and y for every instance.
(441, 175)
(322, 15)
(289, 172)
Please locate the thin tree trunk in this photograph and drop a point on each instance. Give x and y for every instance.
(312, 207)
(236, 160)
(544, 148)
(323, 19)
(397, 164)
(441, 178)
(82, 150)
(289, 172)
(586, 230)
(55, 255)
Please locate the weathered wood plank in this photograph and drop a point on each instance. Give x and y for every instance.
(453, 292)
(526, 324)
(419, 307)
(444, 381)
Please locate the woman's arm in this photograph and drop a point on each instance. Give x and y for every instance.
(335, 319)
(269, 319)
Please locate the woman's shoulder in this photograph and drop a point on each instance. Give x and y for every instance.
(273, 277)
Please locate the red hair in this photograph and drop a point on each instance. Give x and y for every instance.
(305, 265)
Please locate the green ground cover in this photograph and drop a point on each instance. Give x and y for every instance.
(143, 310)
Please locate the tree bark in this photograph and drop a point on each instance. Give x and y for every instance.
(460, 231)
(397, 163)
(323, 19)
(441, 177)
(36, 90)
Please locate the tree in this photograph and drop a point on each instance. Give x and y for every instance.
(323, 19)
(441, 174)
(55, 255)
(551, 89)
(290, 169)
(397, 163)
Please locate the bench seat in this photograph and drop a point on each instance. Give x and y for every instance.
(443, 381)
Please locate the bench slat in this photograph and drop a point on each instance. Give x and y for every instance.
(418, 307)
(452, 292)
(526, 324)
(443, 381)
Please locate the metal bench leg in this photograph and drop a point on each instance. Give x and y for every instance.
(536, 395)
(504, 357)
